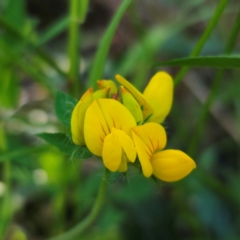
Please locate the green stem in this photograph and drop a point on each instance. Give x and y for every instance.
(5, 203)
(198, 47)
(74, 46)
(216, 82)
(81, 227)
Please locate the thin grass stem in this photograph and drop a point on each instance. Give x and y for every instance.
(5, 213)
(214, 89)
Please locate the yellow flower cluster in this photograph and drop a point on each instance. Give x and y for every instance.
(122, 125)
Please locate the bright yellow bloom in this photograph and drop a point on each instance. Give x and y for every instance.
(167, 165)
(107, 133)
(156, 100)
(159, 94)
(77, 118)
(131, 104)
(106, 122)
(108, 84)
(101, 93)
(146, 109)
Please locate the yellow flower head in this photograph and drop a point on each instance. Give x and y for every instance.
(167, 165)
(106, 122)
(78, 115)
(156, 100)
(107, 132)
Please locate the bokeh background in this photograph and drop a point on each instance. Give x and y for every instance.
(48, 192)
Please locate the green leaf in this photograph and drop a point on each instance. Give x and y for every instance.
(101, 55)
(64, 105)
(9, 88)
(83, 10)
(64, 143)
(222, 61)
(15, 13)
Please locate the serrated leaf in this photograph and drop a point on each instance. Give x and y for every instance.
(223, 61)
(64, 143)
(64, 105)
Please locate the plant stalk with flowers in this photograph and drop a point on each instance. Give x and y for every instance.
(119, 125)
(124, 127)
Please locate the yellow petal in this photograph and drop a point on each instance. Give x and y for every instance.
(123, 165)
(159, 94)
(112, 152)
(101, 116)
(102, 93)
(172, 165)
(116, 115)
(127, 145)
(77, 118)
(108, 84)
(146, 109)
(153, 135)
(144, 155)
(131, 104)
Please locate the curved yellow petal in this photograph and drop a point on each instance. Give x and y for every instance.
(112, 152)
(101, 93)
(153, 135)
(144, 155)
(116, 115)
(131, 104)
(123, 165)
(172, 165)
(108, 84)
(144, 105)
(159, 94)
(101, 116)
(77, 118)
(127, 145)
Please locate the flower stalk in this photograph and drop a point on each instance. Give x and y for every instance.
(81, 227)
(78, 9)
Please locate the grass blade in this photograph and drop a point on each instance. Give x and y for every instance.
(223, 62)
(101, 55)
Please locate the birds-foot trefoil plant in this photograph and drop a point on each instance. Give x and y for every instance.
(123, 127)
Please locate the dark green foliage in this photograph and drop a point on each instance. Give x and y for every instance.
(64, 143)
(64, 105)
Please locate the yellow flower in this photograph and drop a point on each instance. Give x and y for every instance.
(78, 114)
(167, 165)
(131, 104)
(146, 109)
(156, 100)
(102, 84)
(107, 133)
(106, 122)
(77, 118)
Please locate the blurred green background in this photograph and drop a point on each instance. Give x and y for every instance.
(44, 192)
